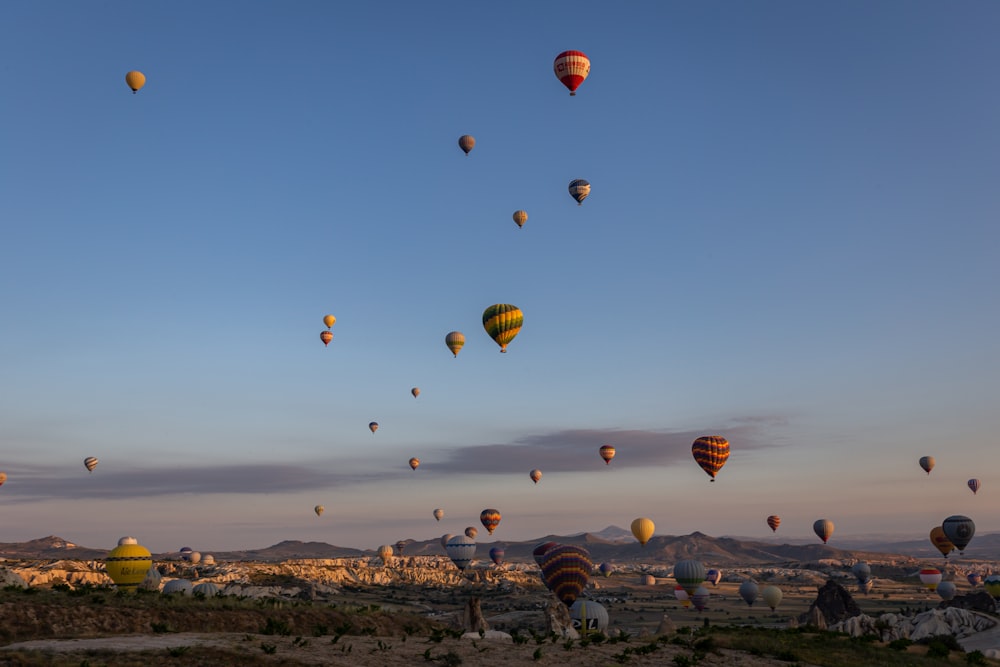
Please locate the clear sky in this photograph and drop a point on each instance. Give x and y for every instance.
(791, 241)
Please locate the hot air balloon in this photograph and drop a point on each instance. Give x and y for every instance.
(520, 217)
(711, 453)
(959, 529)
(319, 509)
(690, 574)
(185, 553)
(502, 321)
(178, 587)
(400, 545)
(861, 571)
(866, 586)
(927, 463)
(128, 539)
(496, 555)
(566, 570)
(329, 320)
(748, 591)
(326, 337)
(946, 590)
(415, 391)
(3, 478)
(445, 538)
(643, 529)
(941, 541)
(650, 580)
(467, 142)
(90, 463)
(490, 518)
(438, 513)
(974, 484)
(774, 521)
(588, 616)
(930, 577)
(414, 462)
(385, 553)
(823, 529)
(579, 190)
(535, 475)
(571, 68)
(538, 553)
(455, 340)
(974, 579)
(772, 596)
(373, 426)
(194, 557)
(700, 598)
(713, 576)
(606, 569)
(471, 532)
(679, 593)
(135, 80)
(607, 453)
(461, 549)
(992, 585)
(127, 565)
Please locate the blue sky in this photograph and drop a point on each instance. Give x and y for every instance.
(791, 241)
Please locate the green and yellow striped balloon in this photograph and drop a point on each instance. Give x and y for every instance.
(502, 321)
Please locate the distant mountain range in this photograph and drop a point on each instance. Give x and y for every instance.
(612, 544)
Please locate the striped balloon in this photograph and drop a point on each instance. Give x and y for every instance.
(774, 521)
(538, 553)
(607, 453)
(490, 518)
(496, 555)
(461, 549)
(579, 190)
(566, 571)
(974, 484)
(454, 340)
(90, 463)
(959, 529)
(502, 321)
(571, 68)
(711, 452)
(690, 574)
(823, 529)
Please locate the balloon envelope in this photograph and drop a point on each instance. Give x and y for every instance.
(467, 142)
(326, 337)
(861, 571)
(606, 569)
(774, 521)
(823, 529)
(946, 590)
(975, 485)
(579, 190)
(748, 591)
(502, 322)
(373, 426)
(571, 68)
(539, 551)
(974, 579)
(385, 553)
(454, 340)
(690, 574)
(415, 391)
(927, 463)
(930, 577)
(607, 453)
(959, 530)
(329, 320)
(497, 554)
(520, 217)
(438, 513)
(535, 475)
(711, 453)
(772, 596)
(461, 549)
(713, 576)
(588, 616)
(941, 541)
(643, 529)
(414, 462)
(127, 565)
(471, 532)
(566, 571)
(992, 585)
(319, 509)
(135, 80)
(3, 478)
(490, 518)
(700, 597)
(90, 463)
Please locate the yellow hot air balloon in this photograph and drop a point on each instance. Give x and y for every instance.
(319, 509)
(135, 80)
(329, 320)
(520, 217)
(941, 541)
(643, 529)
(454, 340)
(502, 321)
(127, 565)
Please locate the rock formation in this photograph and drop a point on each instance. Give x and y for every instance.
(833, 603)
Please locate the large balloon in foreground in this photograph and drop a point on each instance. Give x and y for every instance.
(690, 574)
(941, 541)
(959, 529)
(454, 340)
(538, 553)
(579, 190)
(135, 80)
(520, 217)
(975, 485)
(571, 68)
(535, 475)
(774, 521)
(414, 462)
(90, 463)
(127, 565)
(467, 142)
(566, 571)
(319, 509)
(329, 320)
(772, 596)
(438, 513)
(326, 337)
(502, 321)
(643, 529)
(490, 518)
(823, 529)
(927, 463)
(748, 591)
(461, 549)
(607, 453)
(711, 452)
